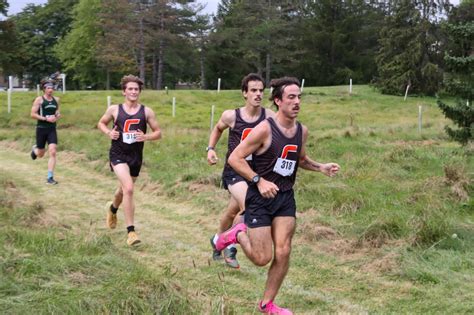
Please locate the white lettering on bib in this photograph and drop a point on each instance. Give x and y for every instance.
(129, 137)
(284, 167)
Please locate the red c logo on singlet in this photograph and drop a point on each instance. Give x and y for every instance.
(128, 123)
(288, 148)
(245, 134)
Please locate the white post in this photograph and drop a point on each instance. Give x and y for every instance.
(38, 89)
(174, 106)
(166, 89)
(9, 92)
(302, 85)
(109, 101)
(218, 85)
(64, 82)
(212, 117)
(419, 117)
(406, 92)
(350, 86)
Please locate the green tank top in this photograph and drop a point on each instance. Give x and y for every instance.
(47, 108)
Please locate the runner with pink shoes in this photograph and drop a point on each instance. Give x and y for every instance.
(277, 146)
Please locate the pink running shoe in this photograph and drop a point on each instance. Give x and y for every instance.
(271, 308)
(230, 236)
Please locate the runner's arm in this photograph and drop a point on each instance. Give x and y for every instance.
(57, 114)
(105, 120)
(255, 140)
(226, 121)
(35, 109)
(153, 123)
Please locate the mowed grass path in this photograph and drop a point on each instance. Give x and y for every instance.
(375, 239)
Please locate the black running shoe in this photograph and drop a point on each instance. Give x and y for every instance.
(33, 155)
(229, 257)
(216, 255)
(51, 181)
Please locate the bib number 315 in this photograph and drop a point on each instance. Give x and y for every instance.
(129, 137)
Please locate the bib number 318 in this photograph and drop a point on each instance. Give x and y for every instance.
(284, 167)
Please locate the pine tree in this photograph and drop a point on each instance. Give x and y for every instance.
(459, 80)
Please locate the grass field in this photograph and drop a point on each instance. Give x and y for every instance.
(392, 233)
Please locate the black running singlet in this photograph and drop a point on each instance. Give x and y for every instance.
(47, 108)
(237, 134)
(279, 163)
(127, 125)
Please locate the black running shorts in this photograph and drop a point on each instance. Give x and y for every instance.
(44, 135)
(132, 159)
(260, 211)
(230, 178)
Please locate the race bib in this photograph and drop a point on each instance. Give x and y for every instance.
(284, 167)
(129, 137)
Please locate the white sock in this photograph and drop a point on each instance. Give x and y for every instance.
(231, 246)
(215, 239)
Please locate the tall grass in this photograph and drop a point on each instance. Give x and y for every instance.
(399, 191)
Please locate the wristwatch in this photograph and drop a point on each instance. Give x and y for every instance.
(209, 149)
(255, 179)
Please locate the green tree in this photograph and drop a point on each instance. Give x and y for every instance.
(251, 37)
(78, 49)
(338, 41)
(10, 60)
(39, 29)
(408, 53)
(459, 77)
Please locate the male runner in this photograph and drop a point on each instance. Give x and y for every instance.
(278, 148)
(45, 110)
(240, 122)
(130, 121)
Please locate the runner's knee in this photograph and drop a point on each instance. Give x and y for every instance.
(283, 252)
(127, 190)
(262, 259)
(52, 151)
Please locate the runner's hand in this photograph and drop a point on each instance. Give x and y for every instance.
(140, 136)
(114, 134)
(330, 169)
(212, 157)
(267, 189)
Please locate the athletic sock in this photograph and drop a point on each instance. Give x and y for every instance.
(50, 174)
(215, 239)
(231, 246)
(130, 228)
(113, 209)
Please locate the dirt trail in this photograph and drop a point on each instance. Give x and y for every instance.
(174, 235)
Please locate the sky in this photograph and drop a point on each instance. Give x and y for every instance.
(17, 6)
(211, 7)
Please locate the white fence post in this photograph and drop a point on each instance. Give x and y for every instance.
(406, 92)
(350, 86)
(302, 85)
(63, 75)
(109, 101)
(9, 92)
(38, 89)
(218, 85)
(420, 114)
(174, 106)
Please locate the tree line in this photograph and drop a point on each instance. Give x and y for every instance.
(389, 43)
